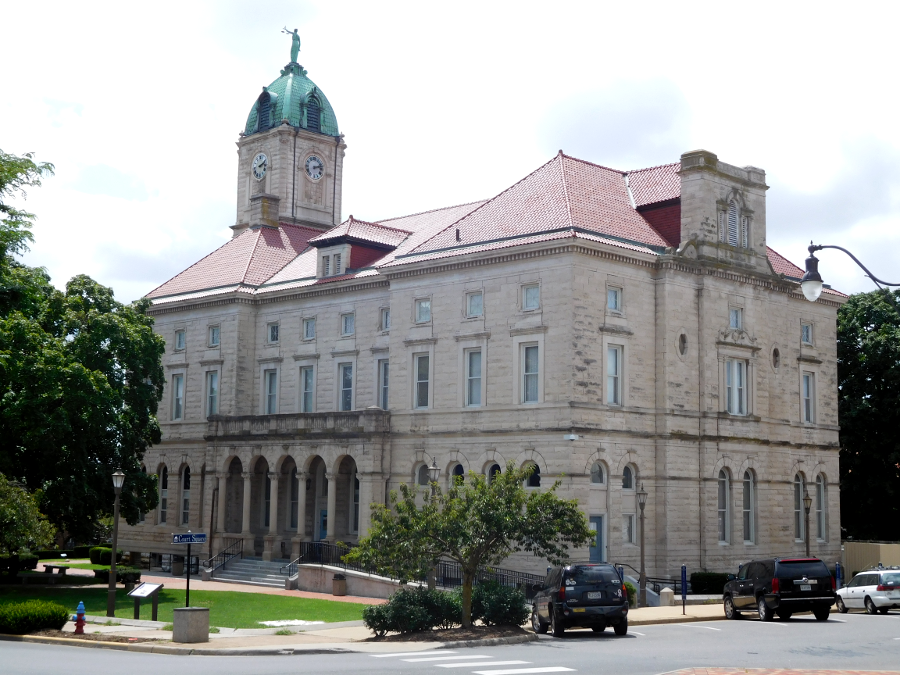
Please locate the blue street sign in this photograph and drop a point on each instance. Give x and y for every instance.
(189, 538)
(683, 582)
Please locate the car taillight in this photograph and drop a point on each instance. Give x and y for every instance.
(562, 594)
(833, 584)
(882, 587)
(624, 592)
(775, 585)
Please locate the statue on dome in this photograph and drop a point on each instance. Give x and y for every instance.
(295, 43)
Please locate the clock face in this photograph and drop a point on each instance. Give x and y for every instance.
(314, 167)
(260, 164)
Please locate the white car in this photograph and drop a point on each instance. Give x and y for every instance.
(875, 590)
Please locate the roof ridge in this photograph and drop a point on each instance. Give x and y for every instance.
(422, 213)
(258, 233)
(585, 161)
(565, 187)
(649, 168)
(375, 223)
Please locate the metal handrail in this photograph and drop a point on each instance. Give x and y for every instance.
(235, 550)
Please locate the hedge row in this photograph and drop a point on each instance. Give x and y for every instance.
(25, 617)
(16, 563)
(101, 555)
(125, 575)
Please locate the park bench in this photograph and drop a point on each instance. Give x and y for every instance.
(49, 577)
(62, 569)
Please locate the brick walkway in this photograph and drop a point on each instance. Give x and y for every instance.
(774, 671)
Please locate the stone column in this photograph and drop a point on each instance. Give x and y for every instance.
(332, 507)
(271, 538)
(245, 514)
(223, 502)
(301, 515)
(371, 490)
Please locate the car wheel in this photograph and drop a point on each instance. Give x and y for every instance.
(598, 629)
(841, 607)
(765, 614)
(730, 611)
(870, 606)
(822, 614)
(621, 628)
(537, 625)
(783, 614)
(555, 627)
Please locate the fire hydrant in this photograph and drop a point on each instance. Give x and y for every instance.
(79, 619)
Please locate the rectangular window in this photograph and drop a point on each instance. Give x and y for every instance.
(808, 397)
(628, 535)
(736, 318)
(530, 366)
(385, 319)
(273, 332)
(383, 381)
(179, 340)
(214, 336)
(475, 304)
(473, 378)
(422, 362)
(345, 370)
(177, 397)
(348, 324)
(423, 310)
(806, 333)
(614, 299)
(820, 508)
(186, 499)
(531, 296)
(337, 263)
(614, 375)
(212, 393)
(271, 382)
(326, 266)
(306, 389)
(309, 329)
(736, 387)
(163, 496)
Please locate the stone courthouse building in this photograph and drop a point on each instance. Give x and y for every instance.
(614, 328)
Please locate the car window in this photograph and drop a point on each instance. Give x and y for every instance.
(857, 581)
(742, 575)
(890, 579)
(796, 569)
(871, 580)
(592, 574)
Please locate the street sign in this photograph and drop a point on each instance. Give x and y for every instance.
(189, 538)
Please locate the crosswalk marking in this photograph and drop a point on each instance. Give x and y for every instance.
(523, 671)
(448, 658)
(441, 651)
(482, 663)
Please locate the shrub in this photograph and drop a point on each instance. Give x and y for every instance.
(708, 583)
(632, 593)
(82, 551)
(106, 556)
(125, 575)
(497, 605)
(25, 617)
(413, 610)
(28, 561)
(94, 554)
(15, 563)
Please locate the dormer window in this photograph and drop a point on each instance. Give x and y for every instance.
(313, 114)
(332, 264)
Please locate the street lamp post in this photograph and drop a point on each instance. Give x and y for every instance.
(811, 282)
(642, 502)
(807, 503)
(434, 473)
(118, 481)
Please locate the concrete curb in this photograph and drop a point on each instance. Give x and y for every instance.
(488, 642)
(674, 619)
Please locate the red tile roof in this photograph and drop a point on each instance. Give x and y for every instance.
(654, 185)
(361, 230)
(248, 259)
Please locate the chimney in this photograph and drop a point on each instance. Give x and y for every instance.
(264, 210)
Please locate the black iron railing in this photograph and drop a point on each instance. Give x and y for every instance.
(234, 550)
(656, 584)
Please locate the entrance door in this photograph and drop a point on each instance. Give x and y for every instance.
(323, 524)
(598, 550)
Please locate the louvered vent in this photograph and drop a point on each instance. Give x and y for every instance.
(313, 115)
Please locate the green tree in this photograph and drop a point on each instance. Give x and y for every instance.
(477, 522)
(80, 381)
(22, 525)
(868, 347)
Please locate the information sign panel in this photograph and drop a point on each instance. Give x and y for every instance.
(189, 538)
(144, 590)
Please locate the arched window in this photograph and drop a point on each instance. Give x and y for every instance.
(724, 509)
(458, 473)
(313, 114)
(264, 112)
(627, 479)
(821, 525)
(597, 476)
(732, 223)
(423, 478)
(798, 507)
(186, 496)
(749, 507)
(163, 494)
(493, 471)
(534, 480)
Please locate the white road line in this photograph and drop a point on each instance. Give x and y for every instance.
(838, 620)
(768, 623)
(690, 625)
(384, 656)
(449, 658)
(522, 671)
(476, 665)
(634, 632)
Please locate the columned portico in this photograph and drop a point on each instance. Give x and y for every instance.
(271, 539)
(331, 519)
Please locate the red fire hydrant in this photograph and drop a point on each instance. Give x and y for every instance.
(79, 619)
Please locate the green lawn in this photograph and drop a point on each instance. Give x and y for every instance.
(230, 609)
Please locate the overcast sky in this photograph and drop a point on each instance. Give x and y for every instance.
(139, 106)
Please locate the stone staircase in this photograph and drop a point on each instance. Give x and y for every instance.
(252, 571)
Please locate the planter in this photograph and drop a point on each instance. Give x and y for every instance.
(190, 624)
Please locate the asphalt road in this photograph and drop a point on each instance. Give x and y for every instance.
(845, 642)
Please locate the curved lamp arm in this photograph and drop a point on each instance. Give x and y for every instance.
(811, 283)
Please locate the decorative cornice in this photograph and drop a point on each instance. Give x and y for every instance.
(270, 359)
(345, 352)
(176, 365)
(420, 341)
(212, 362)
(376, 350)
(735, 337)
(483, 335)
(615, 330)
(304, 357)
(809, 359)
(533, 330)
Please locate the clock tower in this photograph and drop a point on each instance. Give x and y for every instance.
(290, 157)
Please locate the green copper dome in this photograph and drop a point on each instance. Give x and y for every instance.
(295, 99)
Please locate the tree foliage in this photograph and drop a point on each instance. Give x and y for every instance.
(80, 381)
(476, 522)
(869, 408)
(22, 525)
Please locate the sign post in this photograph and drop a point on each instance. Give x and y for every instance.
(683, 588)
(189, 538)
(146, 590)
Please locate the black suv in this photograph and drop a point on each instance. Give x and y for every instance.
(589, 595)
(782, 586)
